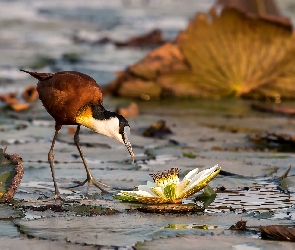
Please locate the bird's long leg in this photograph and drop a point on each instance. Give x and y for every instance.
(50, 159)
(90, 179)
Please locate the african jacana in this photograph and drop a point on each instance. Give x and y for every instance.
(74, 98)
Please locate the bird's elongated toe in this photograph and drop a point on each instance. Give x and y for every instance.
(92, 181)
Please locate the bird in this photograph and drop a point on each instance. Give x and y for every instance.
(74, 98)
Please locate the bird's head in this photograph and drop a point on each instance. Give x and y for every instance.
(108, 123)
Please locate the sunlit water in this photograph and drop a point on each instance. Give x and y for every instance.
(37, 35)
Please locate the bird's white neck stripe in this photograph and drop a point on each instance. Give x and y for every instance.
(107, 127)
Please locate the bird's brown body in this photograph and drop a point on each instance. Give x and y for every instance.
(64, 93)
(74, 98)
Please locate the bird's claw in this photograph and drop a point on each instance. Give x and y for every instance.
(92, 181)
(55, 197)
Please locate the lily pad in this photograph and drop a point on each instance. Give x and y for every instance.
(274, 141)
(228, 54)
(11, 173)
(171, 208)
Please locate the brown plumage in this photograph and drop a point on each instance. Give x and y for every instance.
(74, 98)
(64, 93)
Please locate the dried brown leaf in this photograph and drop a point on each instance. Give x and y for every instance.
(285, 175)
(130, 111)
(152, 38)
(274, 137)
(219, 54)
(274, 109)
(237, 53)
(30, 93)
(240, 225)
(140, 79)
(9, 98)
(278, 232)
(20, 106)
(268, 7)
(164, 59)
(157, 130)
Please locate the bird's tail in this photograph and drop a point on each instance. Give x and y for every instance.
(39, 76)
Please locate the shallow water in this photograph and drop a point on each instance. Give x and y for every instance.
(37, 35)
(253, 188)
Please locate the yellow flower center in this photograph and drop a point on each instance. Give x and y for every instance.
(162, 179)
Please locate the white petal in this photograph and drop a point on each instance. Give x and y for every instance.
(146, 188)
(186, 179)
(200, 176)
(181, 187)
(190, 174)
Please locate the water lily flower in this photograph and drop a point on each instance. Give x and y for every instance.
(167, 188)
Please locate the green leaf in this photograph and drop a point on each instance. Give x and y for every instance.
(11, 172)
(5, 180)
(124, 197)
(207, 192)
(189, 155)
(207, 197)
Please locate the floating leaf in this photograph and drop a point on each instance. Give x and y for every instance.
(278, 232)
(157, 130)
(265, 7)
(11, 173)
(226, 54)
(207, 197)
(139, 80)
(171, 208)
(274, 109)
(274, 141)
(189, 155)
(235, 53)
(240, 225)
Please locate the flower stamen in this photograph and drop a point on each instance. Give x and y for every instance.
(163, 178)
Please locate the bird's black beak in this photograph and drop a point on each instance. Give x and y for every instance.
(127, 143)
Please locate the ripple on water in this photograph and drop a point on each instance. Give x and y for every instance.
(261, 196)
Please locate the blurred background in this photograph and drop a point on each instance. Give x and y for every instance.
(50, 36)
